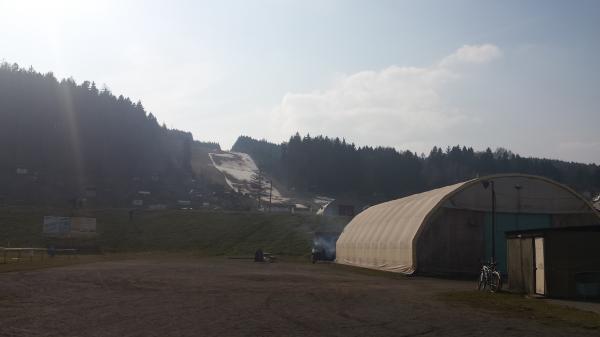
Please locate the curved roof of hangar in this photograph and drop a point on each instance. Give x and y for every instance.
(383, 236)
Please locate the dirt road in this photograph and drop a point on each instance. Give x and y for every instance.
(220, 297)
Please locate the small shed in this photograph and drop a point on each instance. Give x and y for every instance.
(555, 262)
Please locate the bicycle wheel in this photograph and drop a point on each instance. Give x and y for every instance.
(481, 282)
(495, 282)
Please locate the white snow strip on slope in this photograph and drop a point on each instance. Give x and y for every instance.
(210, 155)
(238, 166)
(238, 169)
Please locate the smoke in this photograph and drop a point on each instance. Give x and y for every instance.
(325, 243)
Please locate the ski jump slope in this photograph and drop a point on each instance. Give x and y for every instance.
(238, 169)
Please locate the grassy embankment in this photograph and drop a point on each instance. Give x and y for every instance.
(519, 306)
(205, 233)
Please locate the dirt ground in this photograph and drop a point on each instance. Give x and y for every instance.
(221, 297)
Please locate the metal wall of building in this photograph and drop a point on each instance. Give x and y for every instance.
(568, 256)
(453, 243)
(507, 222)
(457, 241)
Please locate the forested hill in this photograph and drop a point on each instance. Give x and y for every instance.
(60, 140)
(333, 167)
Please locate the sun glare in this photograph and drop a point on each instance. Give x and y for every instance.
(41, 13)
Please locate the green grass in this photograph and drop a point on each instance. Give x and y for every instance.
(204, 233)
(518, 306)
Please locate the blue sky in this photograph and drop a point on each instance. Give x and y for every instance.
(523, 75)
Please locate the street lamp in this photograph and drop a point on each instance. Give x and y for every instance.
(486, 184)
(518, 188)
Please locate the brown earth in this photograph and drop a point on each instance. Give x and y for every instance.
(221, 297)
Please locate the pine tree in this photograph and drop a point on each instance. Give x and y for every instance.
(258, 187)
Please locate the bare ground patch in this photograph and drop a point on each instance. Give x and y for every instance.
(150, 296)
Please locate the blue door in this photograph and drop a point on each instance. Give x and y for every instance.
(506, 222)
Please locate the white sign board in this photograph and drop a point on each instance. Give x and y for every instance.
(57, 225)
(69, 226)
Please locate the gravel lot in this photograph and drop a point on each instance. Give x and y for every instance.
(221, 297)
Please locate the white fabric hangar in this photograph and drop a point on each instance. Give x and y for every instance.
(448, 230)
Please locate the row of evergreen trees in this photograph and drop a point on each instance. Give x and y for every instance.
(331, 166)
(58, 138)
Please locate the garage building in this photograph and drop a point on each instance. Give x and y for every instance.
(556, 262)
(449, 230)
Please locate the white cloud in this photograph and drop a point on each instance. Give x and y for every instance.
(394, 106)
(469, 54)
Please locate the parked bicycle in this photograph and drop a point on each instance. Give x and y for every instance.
(489, 278)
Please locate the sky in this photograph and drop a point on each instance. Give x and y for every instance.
(523, 75)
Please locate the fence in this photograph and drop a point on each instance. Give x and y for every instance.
(20, 254)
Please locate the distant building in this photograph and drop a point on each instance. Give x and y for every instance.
(281, 208)
(286, 208)
(90, 192)
(301, 208)
(342, 207)
(157, 207)
(184, 202)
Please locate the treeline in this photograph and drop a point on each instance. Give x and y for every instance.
(59, 139)
(266, 155)
(333, 167)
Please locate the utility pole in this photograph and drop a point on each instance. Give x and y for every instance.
(518, 188)
(485, 184)
(270, 193)
(493, 223)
